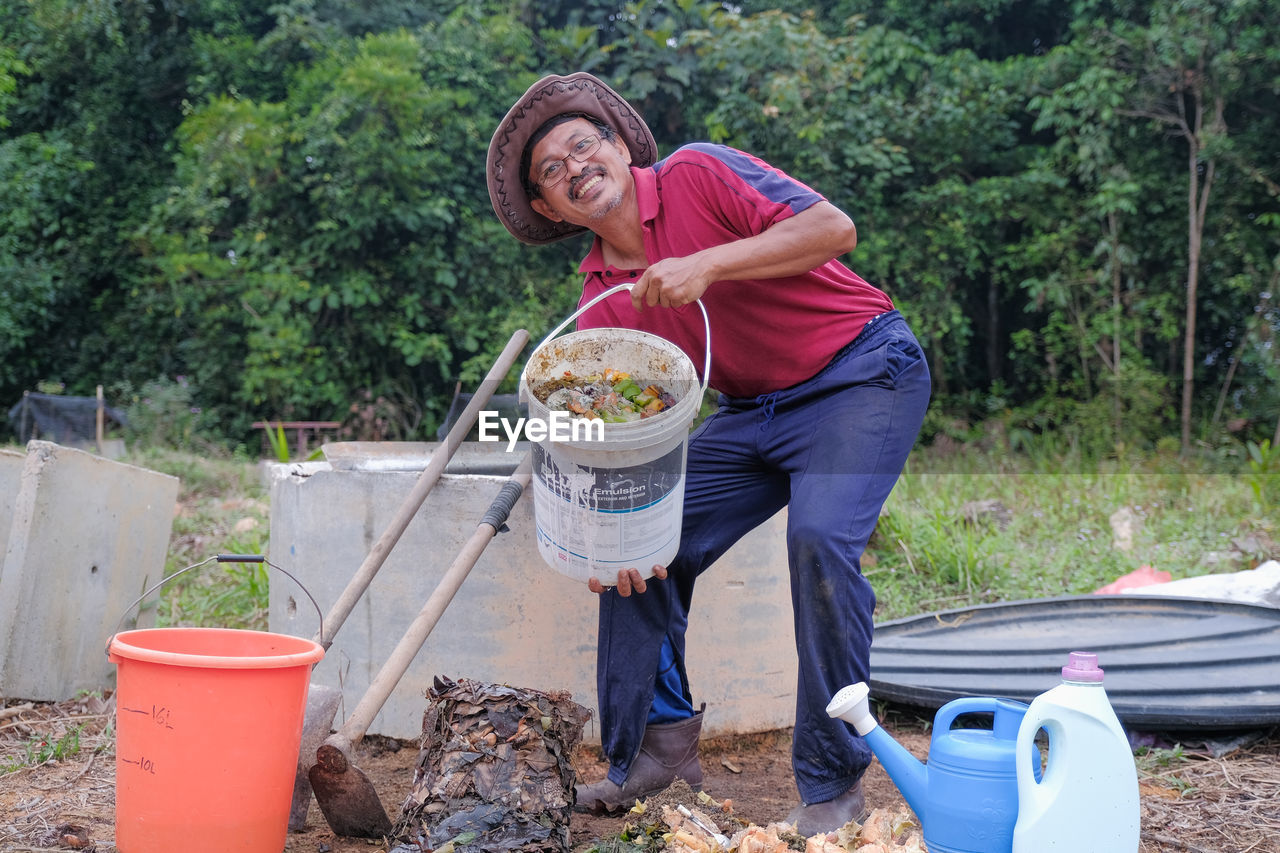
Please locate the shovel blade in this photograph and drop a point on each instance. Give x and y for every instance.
(349, 802)
(322, 707)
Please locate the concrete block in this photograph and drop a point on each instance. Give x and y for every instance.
(88, 536)
(515, 620)
(11, 462)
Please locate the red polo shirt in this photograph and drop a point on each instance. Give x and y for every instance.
(766, 334)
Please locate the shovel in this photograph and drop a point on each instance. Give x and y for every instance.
(347, 798)
(322, 700)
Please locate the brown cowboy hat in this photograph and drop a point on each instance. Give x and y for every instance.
(549, 97)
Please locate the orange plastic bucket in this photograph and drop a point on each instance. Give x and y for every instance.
(209, 723)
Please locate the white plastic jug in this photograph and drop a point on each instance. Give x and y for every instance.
(1087, 798)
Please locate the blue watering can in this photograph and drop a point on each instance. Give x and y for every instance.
(967, 796)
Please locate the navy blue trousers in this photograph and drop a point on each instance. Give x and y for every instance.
(830, 449)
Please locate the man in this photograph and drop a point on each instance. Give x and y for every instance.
(823, 390)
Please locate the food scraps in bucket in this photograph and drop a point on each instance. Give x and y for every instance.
(612, 396)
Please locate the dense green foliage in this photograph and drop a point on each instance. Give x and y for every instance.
(277, 210)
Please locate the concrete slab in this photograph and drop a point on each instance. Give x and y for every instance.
(515, 620)
(88, 536)
(11, 462)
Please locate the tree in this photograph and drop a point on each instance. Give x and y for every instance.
(284, 202)
(99, 90)
(1189, 66)
(341, 235)
(1079, 99)
(991, 29)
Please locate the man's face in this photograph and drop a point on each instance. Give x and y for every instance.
(590, 190)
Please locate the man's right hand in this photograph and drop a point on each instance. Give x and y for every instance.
(629, 581)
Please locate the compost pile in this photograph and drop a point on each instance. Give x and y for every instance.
(493, 772)
(613, 396)
(679, 820)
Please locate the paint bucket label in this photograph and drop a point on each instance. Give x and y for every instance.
(634, 513)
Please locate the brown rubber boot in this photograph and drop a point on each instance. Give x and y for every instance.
(812, 818)
(669, 751)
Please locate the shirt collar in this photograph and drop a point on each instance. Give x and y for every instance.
(646, 181)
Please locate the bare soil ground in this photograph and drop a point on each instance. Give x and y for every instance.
(1200, 804)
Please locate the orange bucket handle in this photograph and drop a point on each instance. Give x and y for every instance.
(221, 558)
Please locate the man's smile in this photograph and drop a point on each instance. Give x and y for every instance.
(585, 184)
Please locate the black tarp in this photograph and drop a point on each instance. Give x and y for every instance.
(61, 419)
(1171, 663)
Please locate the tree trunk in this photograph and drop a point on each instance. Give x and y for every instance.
(1226, 386)
(994, 371)
(1082, 346)
(1116, 407)
(1189, 326)
(1197, 207)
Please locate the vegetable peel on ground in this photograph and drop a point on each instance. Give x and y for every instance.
(696, 823)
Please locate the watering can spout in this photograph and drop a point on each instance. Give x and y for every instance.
(967, 796)
(907, 772)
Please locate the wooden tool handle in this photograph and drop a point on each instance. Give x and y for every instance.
(411, 643)
(346, 602)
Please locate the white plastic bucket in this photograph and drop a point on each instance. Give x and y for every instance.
(614, 501)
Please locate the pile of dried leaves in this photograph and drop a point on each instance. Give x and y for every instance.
(493, 771)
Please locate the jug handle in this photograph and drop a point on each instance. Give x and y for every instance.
(706, 326)
(1035, 720)
(969, 705)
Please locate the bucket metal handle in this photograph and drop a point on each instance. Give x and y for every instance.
(706, 325)
(221, 558)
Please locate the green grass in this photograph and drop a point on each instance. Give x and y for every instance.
(1055, 537)
(222, 509)
(1164, 766)
(41, 750)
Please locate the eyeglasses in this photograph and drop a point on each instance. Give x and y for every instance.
(554, 172)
